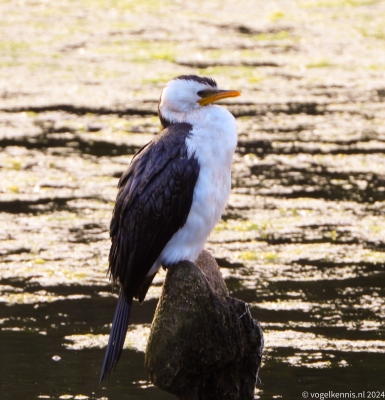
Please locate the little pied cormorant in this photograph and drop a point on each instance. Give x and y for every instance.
(171, 196)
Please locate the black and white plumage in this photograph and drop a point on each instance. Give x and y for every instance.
(171, 196)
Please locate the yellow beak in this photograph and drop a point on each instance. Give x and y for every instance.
(210, 96)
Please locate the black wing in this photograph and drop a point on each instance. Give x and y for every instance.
(153, 202)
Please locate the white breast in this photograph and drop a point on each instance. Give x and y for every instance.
(212, 141)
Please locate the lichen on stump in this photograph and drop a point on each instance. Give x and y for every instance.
(203, 344)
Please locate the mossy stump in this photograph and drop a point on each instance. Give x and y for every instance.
(203, 344)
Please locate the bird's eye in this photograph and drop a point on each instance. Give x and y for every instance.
(205, 93)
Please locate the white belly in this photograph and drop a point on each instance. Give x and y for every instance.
(210, 196)
(213, 143)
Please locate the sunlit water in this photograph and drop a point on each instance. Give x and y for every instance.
(303, 238)
(304, 250)
(321, 335)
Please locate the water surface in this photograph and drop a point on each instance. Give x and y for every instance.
(302, 239)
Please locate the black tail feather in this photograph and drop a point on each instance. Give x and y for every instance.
(117, 336)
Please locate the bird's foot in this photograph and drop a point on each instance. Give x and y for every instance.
(166, 267)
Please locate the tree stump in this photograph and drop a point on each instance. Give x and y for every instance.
(203, 344)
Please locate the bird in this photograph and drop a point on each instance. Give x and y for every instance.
(171, 196)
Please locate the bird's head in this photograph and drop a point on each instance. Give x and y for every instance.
(187, 93)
